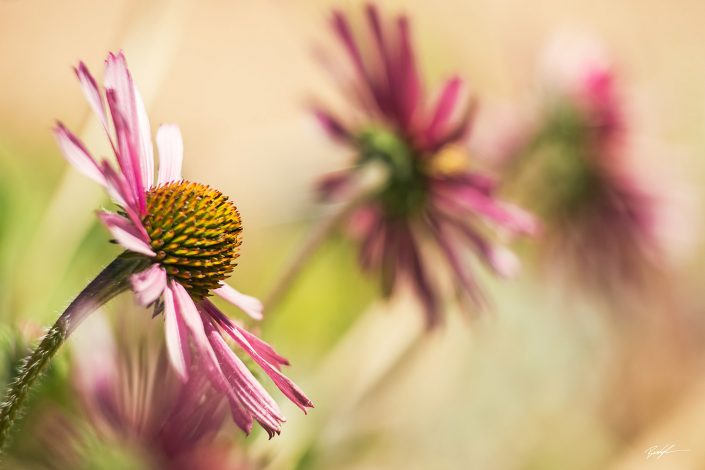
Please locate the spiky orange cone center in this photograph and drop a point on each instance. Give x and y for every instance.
(195, 232)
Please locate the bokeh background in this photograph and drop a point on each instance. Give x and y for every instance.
(547, 380)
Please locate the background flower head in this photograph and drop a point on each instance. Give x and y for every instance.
(583, 170)
(128, 409)
(429, 199)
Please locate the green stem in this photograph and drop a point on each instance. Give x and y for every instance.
(372, 177)
(110, 282)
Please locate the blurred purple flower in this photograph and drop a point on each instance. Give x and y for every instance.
(188, 236)
(136, 399)
(130, 409)
(428, 196)
(603, 218)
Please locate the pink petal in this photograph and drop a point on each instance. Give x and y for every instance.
(449, 247)
(189, 313)
(116, 186)
(287, 387)
(332, 125)
(248, 304)
(200, 328)
(125, 233)
(248, 390)
(376, 26)
(171, 153)
(146, 148)
(501, 260)
(176, 338)
(444, 109)
(77, 155)
(410, 89)
(342, 29)
(127, 154)
(469, 198)
(372, 247)
(262, 348)
(92, 93)
(149, 284)
(335, 185)
(120, 192)
(420, 279)
(504, 262)
(240, 414)
(122, 101)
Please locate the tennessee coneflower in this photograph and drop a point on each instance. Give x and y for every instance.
(603, 219)
(428, 197)
(181, 240)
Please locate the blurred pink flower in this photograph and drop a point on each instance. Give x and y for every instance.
(604, 219)
(428, 195)
(188, 236)
(137, 400)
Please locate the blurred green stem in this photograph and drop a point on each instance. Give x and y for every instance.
(371, 178)
(110, 282)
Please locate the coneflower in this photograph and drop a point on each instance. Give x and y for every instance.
(181, 240)
(606, 225)
(428, 197)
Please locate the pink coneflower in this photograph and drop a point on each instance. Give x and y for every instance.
(428, 197)
(182, 239)
(603, 220)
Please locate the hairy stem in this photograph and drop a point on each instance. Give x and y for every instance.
(110, 282)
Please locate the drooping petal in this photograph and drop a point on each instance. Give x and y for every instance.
(125, 233)
(171, 153)
(335, 185)
(248, 390)
(501, 260)
(92, 94)
(465, 197)
(149, 284)
(263, 348)
(188, 311)
(287, 387)
(333, 126)
(420, 280)
(451, 252)
(176, 337)
(372, 246)
(248, 304)
(394, 249)
(77, 155)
